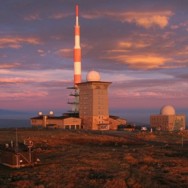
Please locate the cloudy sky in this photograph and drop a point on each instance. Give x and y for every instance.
(139, 45)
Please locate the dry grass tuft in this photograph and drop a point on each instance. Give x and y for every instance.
(130, 159)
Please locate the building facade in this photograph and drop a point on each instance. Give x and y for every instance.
(115, 122)
(167, 120)
(93, 106)
(63, 122)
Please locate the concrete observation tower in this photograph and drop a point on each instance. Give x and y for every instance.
(94, 102)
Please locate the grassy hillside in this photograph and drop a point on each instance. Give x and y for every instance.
(85, 159)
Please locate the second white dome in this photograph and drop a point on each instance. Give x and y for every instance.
(93, 76)
(168, 110)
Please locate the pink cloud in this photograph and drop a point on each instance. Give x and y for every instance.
(16, 42)
(9, 65)
(144, 19)
(133, 44)
(32, 17)
(43, 53)
(22, 94)
(148, 19)
(59, 15)
(65, 52)
(141, 61)
(16, 80)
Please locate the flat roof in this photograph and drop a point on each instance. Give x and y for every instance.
(54, 117)
(94, 82)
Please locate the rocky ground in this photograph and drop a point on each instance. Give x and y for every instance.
(112, 159)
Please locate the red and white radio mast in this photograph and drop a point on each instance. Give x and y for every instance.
(77, 52)
(77, 68)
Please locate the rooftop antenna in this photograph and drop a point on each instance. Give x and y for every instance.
(16, 147)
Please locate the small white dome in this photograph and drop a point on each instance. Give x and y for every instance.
(93, 76)
(40, 113)
(168, 110)
(51, 113)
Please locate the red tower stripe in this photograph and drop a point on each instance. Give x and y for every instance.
(77, 30)
(76, 10)
(77, 55)
(77, 79)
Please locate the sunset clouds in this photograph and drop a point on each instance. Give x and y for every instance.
(142, 47)
(9, 65)
(148, 19)
(141, 18)
(142, 61)
(17, 42)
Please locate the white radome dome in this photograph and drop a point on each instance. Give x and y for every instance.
(168, 110)
(51, 113)
(40, 113)
(93, 76)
